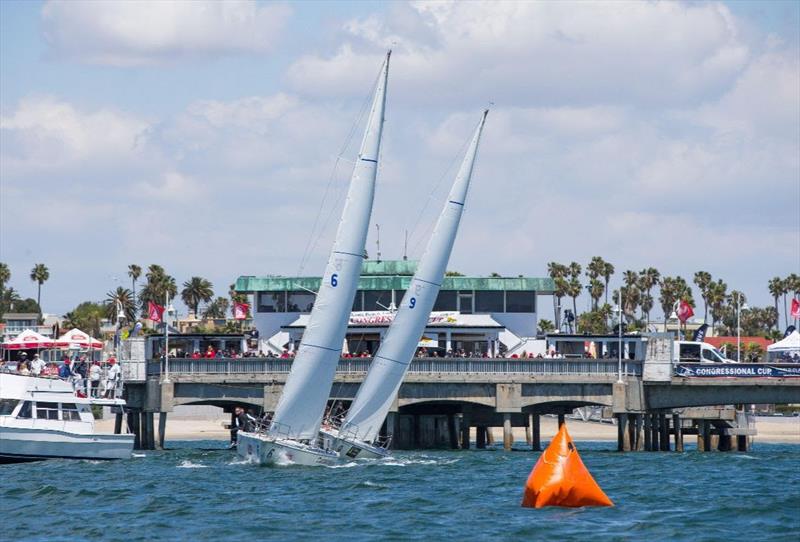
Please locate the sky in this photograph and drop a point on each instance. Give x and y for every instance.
(208, 136)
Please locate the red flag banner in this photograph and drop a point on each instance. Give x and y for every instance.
(155, 312)
(240, 311)
(795, 308)
(684, 311)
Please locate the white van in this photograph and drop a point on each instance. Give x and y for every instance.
(698, 352)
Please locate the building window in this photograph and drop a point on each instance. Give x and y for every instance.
(299, 301)
(377, 300)
(465, 302)
(398, 297)
(358, 301)
(520, 301)
(489, 301)
(272, 302)
(445, 301)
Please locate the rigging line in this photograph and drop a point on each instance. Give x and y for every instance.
(436, 185)
(313, 237)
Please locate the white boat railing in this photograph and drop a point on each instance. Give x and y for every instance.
(357, 366)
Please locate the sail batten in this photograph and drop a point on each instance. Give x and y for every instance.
(389, 366)
(302, 404)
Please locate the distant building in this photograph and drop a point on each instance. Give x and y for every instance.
(476, 314)
(17, 322)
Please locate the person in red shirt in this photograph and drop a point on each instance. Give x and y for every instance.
(196, 354)
(210, 352)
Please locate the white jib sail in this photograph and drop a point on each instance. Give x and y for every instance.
(300, 409)
(375, 396)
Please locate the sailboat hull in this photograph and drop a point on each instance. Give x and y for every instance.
(349, 448)
(263, 449)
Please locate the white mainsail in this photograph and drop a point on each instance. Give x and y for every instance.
(300, 409)
(375, 396)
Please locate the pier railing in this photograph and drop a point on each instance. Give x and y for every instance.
(187, 366)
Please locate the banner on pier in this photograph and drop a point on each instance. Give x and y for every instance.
(738, 370)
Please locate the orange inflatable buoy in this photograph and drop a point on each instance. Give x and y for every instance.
(560, 478)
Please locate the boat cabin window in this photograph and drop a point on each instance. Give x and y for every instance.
(69, 412)
(46, 411)
(26, 410)
(7, 406)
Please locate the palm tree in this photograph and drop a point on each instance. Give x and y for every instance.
(775, 286)
(574, 287)
(792, 283)
(596, 290)
(673, 289)
(39, 275)
(195, 291)
(594, 270)
(631, 292)
(5, 275)
(717, 293)
(557, 272)
(158, 288)
(608, 270)
(703, 281)
(121, 297)
(647, 305)
(134, 272)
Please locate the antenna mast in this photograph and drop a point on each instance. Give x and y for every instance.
(405, 247)
(378, 240)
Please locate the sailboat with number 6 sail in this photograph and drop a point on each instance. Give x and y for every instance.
(293, 434)
(357, 437)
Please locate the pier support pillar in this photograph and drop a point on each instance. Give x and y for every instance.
(453, 430)
(391, 428)
(118, 423)
(664, 437)
(417, 432)
(150, 430)
(725, 443)
(465, 433)
(480, 437)
(676, 425)
(639, 429)
(536, 432)
(528, 437)
(648, 436)
(162, 430)
(623, 436)
(133, 425)
(713, 442)
(560, 420)
(508, 432)
(655, 431)
(742, 443)
(489, 436)
(703, 436)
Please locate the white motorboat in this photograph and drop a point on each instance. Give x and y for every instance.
(293, 435)
(358, 435)
(43, 418)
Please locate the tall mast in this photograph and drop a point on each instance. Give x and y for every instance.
(299, 412)
(391, 362)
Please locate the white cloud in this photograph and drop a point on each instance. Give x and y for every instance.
(43, 133)
(546, 52)
(136, 32)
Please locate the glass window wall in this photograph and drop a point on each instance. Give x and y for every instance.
(520, 301)
(489, 301)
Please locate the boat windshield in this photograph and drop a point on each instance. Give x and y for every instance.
(7, 406)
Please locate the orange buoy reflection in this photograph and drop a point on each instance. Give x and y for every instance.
(560, 478)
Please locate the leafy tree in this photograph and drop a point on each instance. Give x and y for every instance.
(87, 316)
(648, 278)
(558, 272)
(217, 308)
(39, 275)
(703, 281)
(5, 275)
(195, 291)
(121, 297)
(596, 321)
(495, 275)
(134, 272)
(717, 294)
(453, 274)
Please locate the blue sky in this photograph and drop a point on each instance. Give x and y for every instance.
(201, 136)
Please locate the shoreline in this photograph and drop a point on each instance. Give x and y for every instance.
(770, 429)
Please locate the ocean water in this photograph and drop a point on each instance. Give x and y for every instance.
(200, 492)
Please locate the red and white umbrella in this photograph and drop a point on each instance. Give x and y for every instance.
(75, 338)
(30, 339)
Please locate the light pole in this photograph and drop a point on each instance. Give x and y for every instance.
(739, 307)
(618, 309)
(169, 310)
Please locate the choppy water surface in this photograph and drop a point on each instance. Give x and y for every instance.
(196, 492)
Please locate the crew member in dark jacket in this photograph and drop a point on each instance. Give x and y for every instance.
(240, 422)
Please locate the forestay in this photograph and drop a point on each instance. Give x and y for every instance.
(375, 396)
(302, 404)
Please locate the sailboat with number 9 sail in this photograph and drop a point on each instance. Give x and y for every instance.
(293, 434)
(357, 437)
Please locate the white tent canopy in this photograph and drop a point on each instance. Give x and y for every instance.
(791, 343)
(30, 339)
(75, 338)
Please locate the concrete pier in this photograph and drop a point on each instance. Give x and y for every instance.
(508, 435)
(678, 431)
